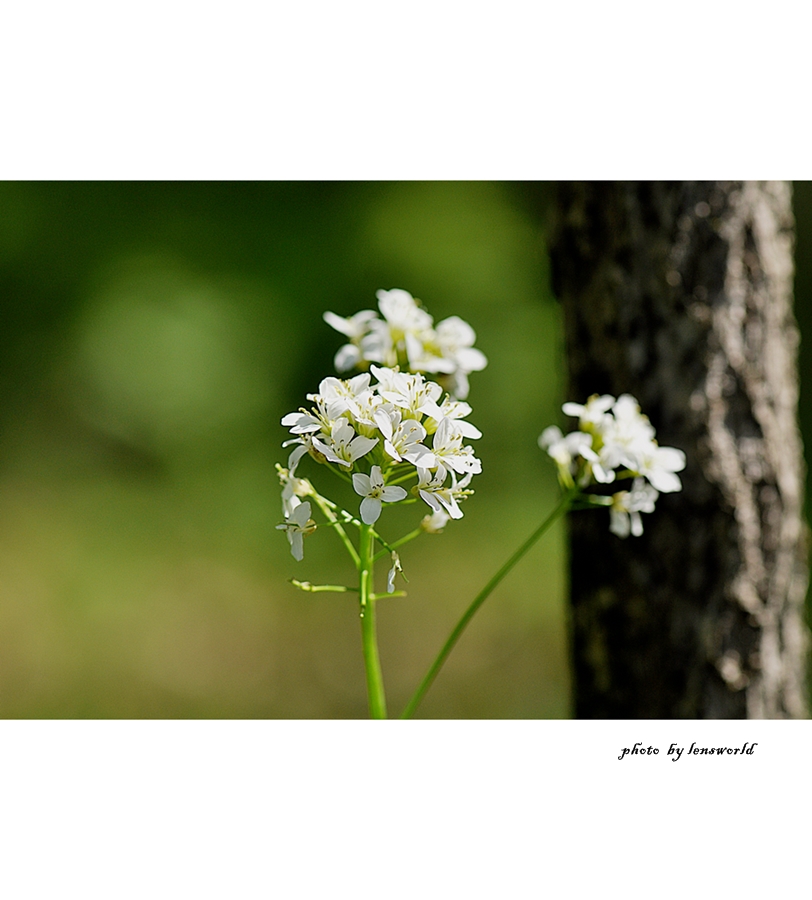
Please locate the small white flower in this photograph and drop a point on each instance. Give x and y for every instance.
(424, 355)
(298, 524)
(659, 464)
(431, 487)
(354, 327)
(342, 445)
(305, 445)
(614, 434)
(456, 410)
(411, 393)
(449, 451)
(564, 450)
(592, 412)
(624, 516)
(435, 522)
(625, 435)
(630, 421)
(455, 339)
(293, 489)
(447, 351)
(402, 313)
(341, 396)
(406, 336)
(402, 440)
(371, 487)
(396, 567)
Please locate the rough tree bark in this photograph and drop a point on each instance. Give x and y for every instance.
(681, 294)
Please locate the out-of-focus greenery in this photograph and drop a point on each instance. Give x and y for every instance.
(153, 335)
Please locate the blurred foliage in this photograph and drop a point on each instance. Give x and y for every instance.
(153, 334)
(152, 337)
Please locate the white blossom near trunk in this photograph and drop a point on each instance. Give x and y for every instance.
(681, 294)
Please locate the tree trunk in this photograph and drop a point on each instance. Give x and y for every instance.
(681, 294)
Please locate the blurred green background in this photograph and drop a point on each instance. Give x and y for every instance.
(153, 334)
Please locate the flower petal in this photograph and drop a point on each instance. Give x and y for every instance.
(296, 544)
(665, 482)
(361, 484)
(671, 458)
(360, 446)
(347, 358)
(301, 514)
(370, 510)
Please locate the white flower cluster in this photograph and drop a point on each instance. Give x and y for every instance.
(395, 430)
(615, 440)
(406, 336)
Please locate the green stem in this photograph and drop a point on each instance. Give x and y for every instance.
(320, 588)
(325, 506)
(481, 597)
(403, 478)
(388, 548)
(372, 664)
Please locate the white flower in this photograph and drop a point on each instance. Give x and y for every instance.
(396, 567)
(298, 524)
(624, 516)
(401, 411)
(411, 393)
(456, 410)
(449, 351)
(293, 489)
(305, 443)
(424, 355)
(449, 451)
(371, 488)
(431, 487)
(402, 440)
(406, 336)
(354, 327)
(402, 313)
(455, 338)
(593, 412)
(659, 464)
(340, 396)
(625, 435)
(435, 522)
(565, 449)
(344, 446)
(630, 422)
(613, 434)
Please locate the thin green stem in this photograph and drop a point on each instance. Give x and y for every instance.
(344, 476)
(403, 478)
(372, 664)
(309, 588)
(325, 506)
(388, 548)
(480, 598)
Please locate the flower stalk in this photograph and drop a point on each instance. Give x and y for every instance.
(369, 638)
(563, 505)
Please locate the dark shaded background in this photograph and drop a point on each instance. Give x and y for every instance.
(153, 334)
